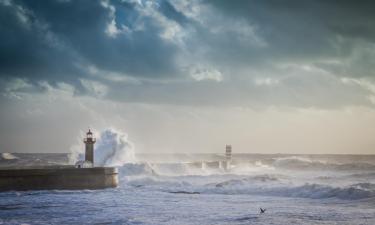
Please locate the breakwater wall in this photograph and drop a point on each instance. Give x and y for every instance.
(68, 178)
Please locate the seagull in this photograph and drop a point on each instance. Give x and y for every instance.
(262, 210)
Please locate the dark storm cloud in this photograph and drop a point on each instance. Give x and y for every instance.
(169, 10)
(25, 49)
(164, 45)
(52, 39)
(303, 30)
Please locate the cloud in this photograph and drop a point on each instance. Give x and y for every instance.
(184, 75)
(266, 81)
(244, 53)
(51, 44)
(203, 73)
(363, 83)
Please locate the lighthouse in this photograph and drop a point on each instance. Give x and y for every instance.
(228, 156)
(89, 147)
(228, 152)
(61, 177)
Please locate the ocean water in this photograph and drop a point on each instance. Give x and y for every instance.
(169, 189)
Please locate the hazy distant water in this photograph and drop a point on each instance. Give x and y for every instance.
(295, 189)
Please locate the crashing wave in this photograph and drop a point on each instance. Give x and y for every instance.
(257, 178)
(362, 175)
(318, 191)
(137, 169)
(8, 156)
(111, 149)
(295, 162)
(146, 175)
(315, 191)
(155, 182)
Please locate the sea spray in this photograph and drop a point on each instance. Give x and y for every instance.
(77, 150)
(7, 156)
(112, 148)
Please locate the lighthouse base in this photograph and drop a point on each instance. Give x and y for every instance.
(64, 178)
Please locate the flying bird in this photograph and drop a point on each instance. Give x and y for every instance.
(262, 210)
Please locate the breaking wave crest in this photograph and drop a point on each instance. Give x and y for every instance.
(257, 178)
(315, 191)
(359, 170)
(295, 162)
(113, 149)
(158, 177)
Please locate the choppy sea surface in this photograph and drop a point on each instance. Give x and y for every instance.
(170, 189)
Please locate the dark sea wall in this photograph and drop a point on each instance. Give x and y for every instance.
(58, 178)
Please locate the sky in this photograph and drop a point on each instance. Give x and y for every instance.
(189, 76)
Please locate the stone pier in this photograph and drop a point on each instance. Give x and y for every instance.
(63, 178)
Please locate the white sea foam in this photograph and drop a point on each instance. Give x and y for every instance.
(136, 169)
(316, 191)
(297, 162)
(113, 149)
(182, 178)
(8, 156)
